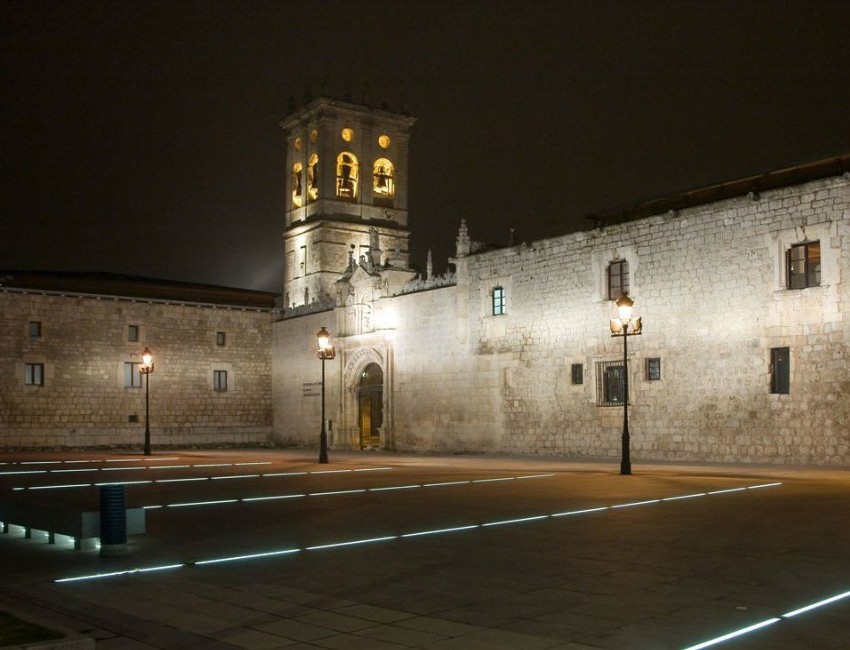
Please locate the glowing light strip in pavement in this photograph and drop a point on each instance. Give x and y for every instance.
(123, 469)
(386, 538)
(187, 480)
(769, 621)
(336, 492)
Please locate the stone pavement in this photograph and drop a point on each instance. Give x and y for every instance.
(613, 573)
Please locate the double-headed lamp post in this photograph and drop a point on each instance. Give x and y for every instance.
(621, 327)
(145, 370)
(325, 352)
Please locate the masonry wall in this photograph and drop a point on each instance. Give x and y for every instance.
(709, 283)
(83, 348)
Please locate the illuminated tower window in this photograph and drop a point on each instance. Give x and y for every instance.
(297, 185)
(347, 135)
(383, 141)
(313, 178)
(347, 175)
(383, 181)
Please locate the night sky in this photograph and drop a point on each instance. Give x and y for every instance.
(143, 138)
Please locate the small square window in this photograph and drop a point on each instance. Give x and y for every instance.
(34, 374)
(133, 333)
(780, 371)
(499, 303)
(220, 380)
(221, 339)
(653, 369)
(133, 418)
(578, 373)
(35, 329)
(132, 376)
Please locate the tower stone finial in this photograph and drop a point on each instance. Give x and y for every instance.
(463, 242)
(429, 266)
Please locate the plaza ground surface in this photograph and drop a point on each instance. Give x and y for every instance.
(383, 551)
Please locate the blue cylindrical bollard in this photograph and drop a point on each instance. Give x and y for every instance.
(113, 520)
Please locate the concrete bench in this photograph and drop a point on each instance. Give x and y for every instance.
(82, 525)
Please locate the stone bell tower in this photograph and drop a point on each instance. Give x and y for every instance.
(347, 200)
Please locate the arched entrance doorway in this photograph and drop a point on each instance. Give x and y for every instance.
(370, 400)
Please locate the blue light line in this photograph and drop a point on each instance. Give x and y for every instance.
(436, 532)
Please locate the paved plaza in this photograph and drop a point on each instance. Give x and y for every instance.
(268, 549)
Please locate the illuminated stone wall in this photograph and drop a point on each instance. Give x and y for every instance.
(709, 283)
(83, 348)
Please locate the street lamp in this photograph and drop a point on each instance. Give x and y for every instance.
(620, 327)
(325, 351)
(145, 370)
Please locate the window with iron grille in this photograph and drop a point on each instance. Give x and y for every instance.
(499, 301)
(610, 383)
(34, 374)
(618, 279)
(653, 369)
(220, 380)
(132, 376)
(780, 371)
(803, 264)
(578, 373)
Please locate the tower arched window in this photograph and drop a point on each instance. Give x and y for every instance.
(383, 179)
(347, 175)
(297, 185)
(313, 178)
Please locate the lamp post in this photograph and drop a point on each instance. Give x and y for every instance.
(145, 370)
(325, 352)
(620, 327)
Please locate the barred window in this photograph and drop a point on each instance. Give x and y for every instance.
(610, 383)
(653, 369)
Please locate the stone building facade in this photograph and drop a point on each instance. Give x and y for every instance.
(70, 349)
(742, 288)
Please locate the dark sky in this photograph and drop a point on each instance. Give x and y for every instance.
(143, 138)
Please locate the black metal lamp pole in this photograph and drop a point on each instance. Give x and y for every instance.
(620, 327)
(324, 353)
(625, 456)
(145, 370)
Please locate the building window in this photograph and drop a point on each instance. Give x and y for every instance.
(313, 177)
(220, 380)
(132, 377)
(780, 371)
(347, 175)
(499, 304)
(618, 279)
(35, 329)
(383, 179)
(133, 333)
(297, 185)
(610, 383)
(221, 339)
(653, 369)
(34, 374)
(803, 264)
(578, 373)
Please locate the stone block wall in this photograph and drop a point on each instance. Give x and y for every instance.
(83, 348)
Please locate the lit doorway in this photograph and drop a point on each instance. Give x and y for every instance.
(370, 394)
